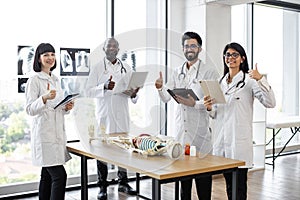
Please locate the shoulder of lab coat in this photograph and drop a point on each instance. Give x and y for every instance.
(126, 66)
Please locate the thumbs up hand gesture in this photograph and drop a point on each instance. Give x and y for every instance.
(254, 74)
(159, 81)
(109, 85)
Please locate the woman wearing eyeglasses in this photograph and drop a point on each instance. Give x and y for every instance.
(233, 120)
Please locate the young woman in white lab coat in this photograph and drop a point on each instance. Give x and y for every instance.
(233, 121)
(48, 138)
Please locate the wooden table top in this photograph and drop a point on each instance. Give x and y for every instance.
(158, 167)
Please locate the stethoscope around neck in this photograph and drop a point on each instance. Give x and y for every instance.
(182, 75)
(235, 87)
(123, 69)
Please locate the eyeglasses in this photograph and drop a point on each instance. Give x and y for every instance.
(192, 46)
(233, 55)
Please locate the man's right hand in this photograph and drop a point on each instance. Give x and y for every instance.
(159, 81)
(109, 85)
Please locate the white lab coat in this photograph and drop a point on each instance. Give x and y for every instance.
(48, 137)
(192, 123)
(233, 121)
(112, 112)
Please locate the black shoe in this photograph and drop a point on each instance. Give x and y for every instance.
(102, 195)
(126, 189)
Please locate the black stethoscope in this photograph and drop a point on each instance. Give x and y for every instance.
(123, 69)
(182, 75)
(236, 87)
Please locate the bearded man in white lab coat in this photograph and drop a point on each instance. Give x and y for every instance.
(192, 120)
(112, 112)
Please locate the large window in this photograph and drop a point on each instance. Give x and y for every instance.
(74, 27)
(142, 42)
(276, 50)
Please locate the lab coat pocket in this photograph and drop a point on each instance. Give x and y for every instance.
(46, 127)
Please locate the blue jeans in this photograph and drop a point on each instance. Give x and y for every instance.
(53, 183)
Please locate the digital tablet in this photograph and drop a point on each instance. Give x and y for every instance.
(213, 89)
(182, 92)
(67, 99)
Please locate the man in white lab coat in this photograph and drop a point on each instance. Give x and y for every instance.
(112, 112)
(192, 120)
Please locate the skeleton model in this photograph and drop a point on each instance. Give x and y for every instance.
(145, 144)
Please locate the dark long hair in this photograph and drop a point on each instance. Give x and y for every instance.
(42, 48)
(244, 66)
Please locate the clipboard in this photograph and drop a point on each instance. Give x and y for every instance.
(67, 99)
(213, 89)
(182, 92)
(137, 80)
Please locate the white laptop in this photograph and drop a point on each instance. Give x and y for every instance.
(127, 84)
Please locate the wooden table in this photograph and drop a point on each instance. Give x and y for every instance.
(161, 169)
(291, 122)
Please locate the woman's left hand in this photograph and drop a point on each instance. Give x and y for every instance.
(254, 74)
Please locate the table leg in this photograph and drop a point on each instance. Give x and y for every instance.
(137, 183)
(273, 149)
(176, 190)
(234, 184)
(84, 178)
(156, 187)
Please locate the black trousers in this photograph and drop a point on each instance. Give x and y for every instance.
(102, 172)
(203, 186)
(241, 185)
(53, 183)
